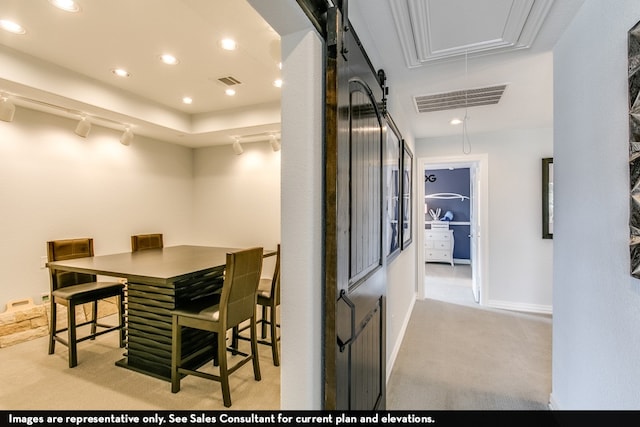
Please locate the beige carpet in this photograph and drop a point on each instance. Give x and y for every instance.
(32, 380)
(453, 357)
(458, 357)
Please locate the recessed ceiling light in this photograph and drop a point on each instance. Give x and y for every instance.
(169, 59)
(277, 83)
(67, 5)
(120, 72)
(455, 121)
(12, 27)
(230, 92)
(187, 100)
(228, 44)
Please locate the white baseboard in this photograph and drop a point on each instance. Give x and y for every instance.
(517, 306)
(553, 405)
(398, 343)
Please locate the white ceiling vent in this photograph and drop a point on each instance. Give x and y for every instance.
(229, 81)
(459, 99)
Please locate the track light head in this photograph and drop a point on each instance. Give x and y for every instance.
(83, 127)
(237, 148)
(127, 136)
(7, 110)
(275, 144)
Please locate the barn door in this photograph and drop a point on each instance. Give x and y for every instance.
(355, 275)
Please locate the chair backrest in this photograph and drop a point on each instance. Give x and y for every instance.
(141, 242)
(60, 250)
(242, 276)
(275, 282)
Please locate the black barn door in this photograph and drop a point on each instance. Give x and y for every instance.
(355, 277)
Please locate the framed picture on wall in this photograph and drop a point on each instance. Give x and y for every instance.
(407, 191)
(391, 170)
(547, 198)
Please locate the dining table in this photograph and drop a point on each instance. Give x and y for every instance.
(157, 282)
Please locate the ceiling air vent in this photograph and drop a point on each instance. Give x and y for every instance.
(459, 99)
(229, 81)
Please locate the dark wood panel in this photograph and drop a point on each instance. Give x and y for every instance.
(355, 276)
(149, 323)
(365, 129)
(366, 372)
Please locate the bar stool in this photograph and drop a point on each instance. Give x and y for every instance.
(234, 305)
(141, 242)
(72, 289)
(269, 300)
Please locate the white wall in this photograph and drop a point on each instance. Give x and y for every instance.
(596, 338)
(237, 197)
(520, 261)
(302, 216)
(55, 184)
(401, 271)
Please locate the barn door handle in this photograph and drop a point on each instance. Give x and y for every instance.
(352, 308)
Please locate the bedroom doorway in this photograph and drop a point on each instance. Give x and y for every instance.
(453, 263)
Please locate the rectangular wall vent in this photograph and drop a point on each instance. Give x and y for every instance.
(459, 99)
(229, 81)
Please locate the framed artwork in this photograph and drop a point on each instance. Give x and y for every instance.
(633, 76)
(391, 170)
(547, 198)
(407, 191)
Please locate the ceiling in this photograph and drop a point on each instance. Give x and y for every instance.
(437, 46)
(66, 59)
(430, 46)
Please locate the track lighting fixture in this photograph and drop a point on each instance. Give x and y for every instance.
(127, 136)
(237, 148)
(275, 144)
(83, 127)
(7, 109)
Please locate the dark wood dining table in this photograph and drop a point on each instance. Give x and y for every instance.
(158, 281)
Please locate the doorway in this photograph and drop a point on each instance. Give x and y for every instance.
(467, 267)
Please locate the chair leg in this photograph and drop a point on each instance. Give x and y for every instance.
(224, 373)
(274, 336)
(52, 326)
(234, 340)
(263, 322)
(94, 319)
(71, 328)
(216, 355)
(254, 350)
(176, 354)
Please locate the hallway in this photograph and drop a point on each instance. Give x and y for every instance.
(457, 355)
(448, 283)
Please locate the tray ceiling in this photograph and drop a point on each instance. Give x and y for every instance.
(434, 30)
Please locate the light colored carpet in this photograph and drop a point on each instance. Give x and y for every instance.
(450, 284)
(33, 380)
(454, 356)
(458, 356)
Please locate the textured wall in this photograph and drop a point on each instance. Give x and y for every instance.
(596, 313)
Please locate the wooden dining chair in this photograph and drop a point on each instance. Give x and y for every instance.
(268, 300)
(235, 304)
(72, 289)
(142, 242)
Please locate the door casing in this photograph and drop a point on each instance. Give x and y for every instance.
(479, 162)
